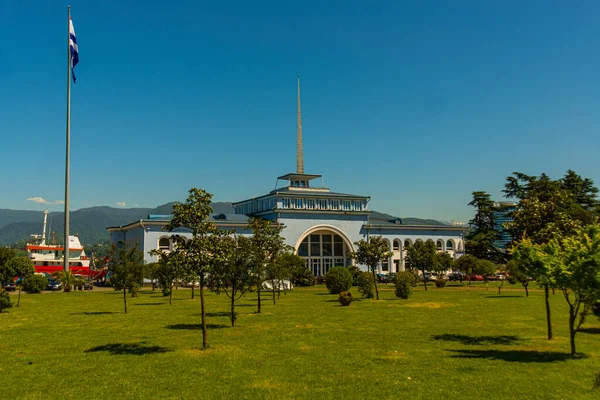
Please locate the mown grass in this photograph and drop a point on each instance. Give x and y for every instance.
(450, 343)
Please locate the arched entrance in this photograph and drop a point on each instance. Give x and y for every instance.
(324, 248)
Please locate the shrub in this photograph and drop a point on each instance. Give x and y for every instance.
(366, 285)
(135, 288)
(4, 300)
(440, 283)
(303, 277)
(405, 281)
(338, 279)
(356, 272)
(345, 298)
(512, 280)
(34, 283)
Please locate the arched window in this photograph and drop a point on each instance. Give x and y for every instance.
(449, 245)
(396, 245)
(407, 243)
(439, 245)
(164, 244)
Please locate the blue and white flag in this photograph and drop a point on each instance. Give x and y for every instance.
(74, 48)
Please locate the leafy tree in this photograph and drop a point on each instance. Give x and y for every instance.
(34, 283)
(421, 256)
(485, 268)
(151, 272)
(127, 267)
(404, 282)
(443, 262)
(66, 279)
(6, 272)
(371, 253)
(483, 233)
(232, 270)
(300, 274)
(281, 270)
(515, 270)
(466, 264)
(268, 246)
(194, 215)
(547, 210)
(171, 266)
(575, 269)
(22, 267)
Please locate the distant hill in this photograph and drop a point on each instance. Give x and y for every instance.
(91, 223)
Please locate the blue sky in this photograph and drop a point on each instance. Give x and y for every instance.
(416, 104)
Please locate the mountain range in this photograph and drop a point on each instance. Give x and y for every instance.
(91, 223)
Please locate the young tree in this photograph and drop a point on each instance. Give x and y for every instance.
(194, 215)
(547, 210)
(466, 265)
(515, 270)
(299, 273)
(421, 256)
(483, 233)
(232, 270)
(23, 268)
(575, 269)
(371, 253)
(6, 272)
(171, 267)
(151, 272)
(485, 268)
(127, 267)
(267, 245)
(443, 262)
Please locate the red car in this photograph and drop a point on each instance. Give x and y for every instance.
(475, 277)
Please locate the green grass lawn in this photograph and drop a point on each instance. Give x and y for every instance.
(456, 342)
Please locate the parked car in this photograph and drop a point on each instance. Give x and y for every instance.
(389, 278)
(475, 277)
(88, 286)
(457, 276)
(501, 276)
(54, 285)
(10, 286)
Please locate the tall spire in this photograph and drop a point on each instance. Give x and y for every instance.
(299, 152)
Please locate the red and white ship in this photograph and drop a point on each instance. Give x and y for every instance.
(50, 258)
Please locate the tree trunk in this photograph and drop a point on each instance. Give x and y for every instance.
(424, 279)
(548, 320)
(192, 291)
(233, 318)
(500, 287)
(171, 295)
(19, 299)
(273, 284)
(375, 281)
(526, 290)
(125, 299)
(572, 331)
(258, 287)
(203, 312)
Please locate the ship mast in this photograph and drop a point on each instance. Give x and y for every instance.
(44, 228)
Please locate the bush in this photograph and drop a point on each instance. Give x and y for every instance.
(4, 300)
(338, 279)
(366, 285)
(440, 283)
(356, 272)
(34, 283)
(405, 281)
(303, 277)
(345, 298)
(134, 289)
(512, 280)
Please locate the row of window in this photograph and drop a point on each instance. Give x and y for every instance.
(300, 204)
(439, 244)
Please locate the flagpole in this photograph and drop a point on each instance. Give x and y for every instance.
(68, 161)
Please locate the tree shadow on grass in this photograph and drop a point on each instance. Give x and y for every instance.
(508, 296)
(218, 314)
(194, 327)
(591, 331)
(133, 349)
(93, 313)
(477, 340)
(149, 304)
(523, 356)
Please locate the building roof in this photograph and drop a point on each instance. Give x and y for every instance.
(298, 177)
(158, 219)
(386, 221)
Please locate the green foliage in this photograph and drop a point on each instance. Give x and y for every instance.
(440, 283)
(404, 282)
(126, 265)
(300, 274)
(466, 264)
(4, 300)
(338, 279)
(483, 234)
(422, 256)
(345, 298)
(35, 283)
(356, 272)
(443, 262)
(366, 285)
(66, 278)
(485, 268)
(6, 271)
(512, 280)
